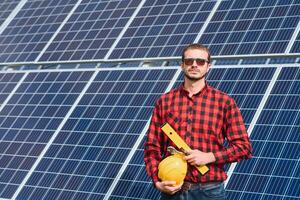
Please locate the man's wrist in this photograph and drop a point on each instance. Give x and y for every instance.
(212, 157)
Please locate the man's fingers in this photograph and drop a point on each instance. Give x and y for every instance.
(169, 183)
(173, 189)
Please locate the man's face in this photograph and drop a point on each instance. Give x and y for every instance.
(195, 65)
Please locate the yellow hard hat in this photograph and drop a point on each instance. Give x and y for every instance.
(173, 168)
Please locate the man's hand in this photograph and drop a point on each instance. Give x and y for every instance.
(168, 187)
(196, 157)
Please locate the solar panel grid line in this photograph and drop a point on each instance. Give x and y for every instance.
(276, 148)
(15, 36)
(281, 24)
(216, 37)
(293, 39)
(160, 25)
(293, 175)
(97, 31)
(272, 27)
(89, 193)
(238, 94)
(12, 15)
(256, 116)
(142, 193)
(207, 21)
(57, 31)
(13, 91)
(131, 38)
(166, 22)
(169, 40)
(105, 144)
(124, 29)
(259, 195)
(236, 20)
(52, 138)
(60, 172)
(269, 31)
(221, 77)
(137, 144)
(284, 143)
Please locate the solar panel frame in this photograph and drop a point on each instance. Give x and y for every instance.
(6, 8)
(91, 31)
(251, 27)
(57, 160)
(162, 29)
(274, 165)
(30, 30)
(26, 137)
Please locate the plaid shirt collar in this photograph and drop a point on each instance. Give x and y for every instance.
(204, 90)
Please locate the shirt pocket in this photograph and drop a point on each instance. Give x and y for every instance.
(175, 121)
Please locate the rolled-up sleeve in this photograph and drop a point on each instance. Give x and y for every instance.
(152, 148)
(239, 146)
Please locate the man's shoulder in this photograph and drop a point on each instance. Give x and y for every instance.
(220, 94)
(168, 95)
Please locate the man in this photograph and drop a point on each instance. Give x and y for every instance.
(204, 117)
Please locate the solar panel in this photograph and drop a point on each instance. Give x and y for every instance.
(90, 149)
(252, 27)
(100, 29)
(162, 28)
(91, 30)
(73, 130)
(296, 45)
(8, 81)
(30, 118)
(246, 85)
(31, 29)
(6, 7)
(273, 173)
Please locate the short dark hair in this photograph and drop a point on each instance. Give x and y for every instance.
(196, 46)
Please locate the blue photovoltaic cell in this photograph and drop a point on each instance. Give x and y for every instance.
(252, 27)
(29, 119)
(296, 44)
(163, 28)
(6, 6)
(246, 85)
(8, 81)
(135, 183)
(91, 30)
(273, 172)
(92, 146)
(31, 29)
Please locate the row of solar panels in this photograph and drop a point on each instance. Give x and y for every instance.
(241, 62)
(84, 30)
(79, 134)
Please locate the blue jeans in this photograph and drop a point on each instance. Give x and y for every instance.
(214, 191)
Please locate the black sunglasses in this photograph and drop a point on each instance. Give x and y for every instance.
(199, 61)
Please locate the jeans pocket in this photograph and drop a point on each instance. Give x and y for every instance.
(215, 191)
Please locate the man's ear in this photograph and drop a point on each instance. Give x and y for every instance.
(181, 66)
(208, 68)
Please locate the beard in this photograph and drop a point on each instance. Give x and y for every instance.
(193, 78)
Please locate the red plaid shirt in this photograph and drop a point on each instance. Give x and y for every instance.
(203, 121)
